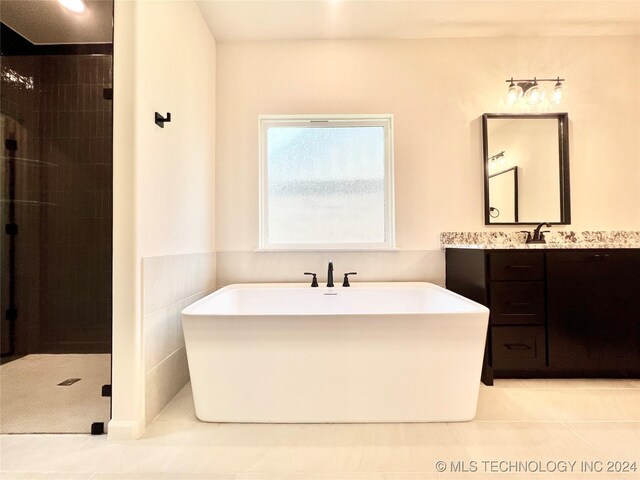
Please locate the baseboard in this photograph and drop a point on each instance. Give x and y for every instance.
(125, 429)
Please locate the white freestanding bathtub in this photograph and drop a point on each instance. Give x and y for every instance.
(374, 352)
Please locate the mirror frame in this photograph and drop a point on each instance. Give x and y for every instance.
(563, 147)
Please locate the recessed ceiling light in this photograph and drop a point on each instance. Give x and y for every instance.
(76, 6)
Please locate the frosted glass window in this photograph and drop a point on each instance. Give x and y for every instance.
(326, 183)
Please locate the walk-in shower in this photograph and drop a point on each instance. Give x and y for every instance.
(56, 206)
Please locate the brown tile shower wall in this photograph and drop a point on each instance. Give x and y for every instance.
(19, 122)
(76, 136)
(63, 126)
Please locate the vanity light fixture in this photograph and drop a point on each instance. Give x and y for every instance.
(495, 159)
(531, 91)
(76, 6)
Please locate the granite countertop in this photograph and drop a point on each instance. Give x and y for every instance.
(555, 240)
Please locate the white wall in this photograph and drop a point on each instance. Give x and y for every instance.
(175, 73)
(164, 60)
(170, 284)
(437, 90)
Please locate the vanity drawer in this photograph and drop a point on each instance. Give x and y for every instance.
(517, 266)
(517, 303)
(518, 348)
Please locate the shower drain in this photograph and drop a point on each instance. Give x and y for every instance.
(68, 382)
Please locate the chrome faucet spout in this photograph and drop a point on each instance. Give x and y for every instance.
(330, 275)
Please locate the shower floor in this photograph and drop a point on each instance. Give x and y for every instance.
(32, 402)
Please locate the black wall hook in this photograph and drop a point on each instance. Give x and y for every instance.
(160, 120)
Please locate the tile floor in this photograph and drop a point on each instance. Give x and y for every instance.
(518, 420)
(32, 402)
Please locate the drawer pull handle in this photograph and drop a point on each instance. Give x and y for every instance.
(520, 304)
(601, 255)
(517, 346)
(518, 314)
(519, 266)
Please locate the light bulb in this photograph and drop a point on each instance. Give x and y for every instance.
(512, 96)
(502, 160)
(492, 165)
(556, 95)
(514, 93)
(76, 6)
(534, 95)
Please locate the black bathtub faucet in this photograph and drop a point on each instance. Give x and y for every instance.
(314, 281)
(345, 283)
(330, 275)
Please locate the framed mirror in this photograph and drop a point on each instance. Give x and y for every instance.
(526, 168)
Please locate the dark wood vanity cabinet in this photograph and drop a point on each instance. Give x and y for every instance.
(554, 313)
(593, 311)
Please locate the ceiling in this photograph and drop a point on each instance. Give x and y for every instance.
(45, 22)
(342, 19)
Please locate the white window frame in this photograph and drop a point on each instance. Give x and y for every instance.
(384, 120)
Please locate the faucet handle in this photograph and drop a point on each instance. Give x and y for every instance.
(528, 235)
(345, 283)
(314, 280)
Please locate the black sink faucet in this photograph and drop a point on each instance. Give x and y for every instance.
(330, 275)
(538, 234)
